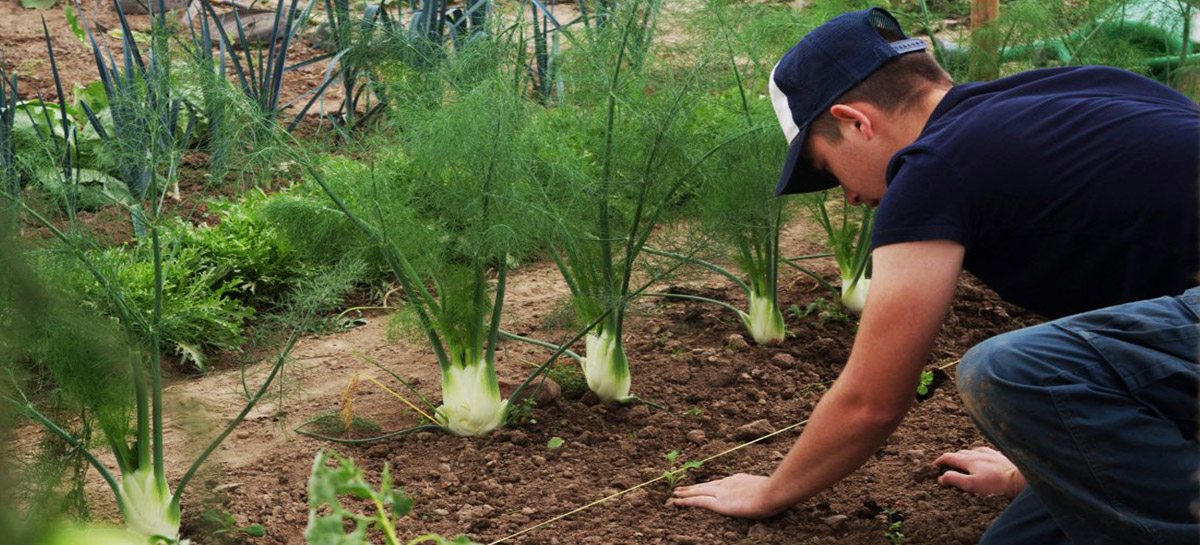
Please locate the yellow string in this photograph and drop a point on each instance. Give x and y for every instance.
(949, 365)
(651, 481)
(401, 398)
(663, 476)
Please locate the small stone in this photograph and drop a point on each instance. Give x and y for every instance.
(696, 436)
(637, 496)
(544, 392)
(835, 522)
(679, 375)
(639, 411)
(736, 342)
(753, 430)
(759, 533)
(915, 455)
(443, 469)
(721, 378)
(926, 473)
(227, 487)
(243, 434)
(378, 451)
(683, 540)
(519, 438)
(783, 360)
(714, 359)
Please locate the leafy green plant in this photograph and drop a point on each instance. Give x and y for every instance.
(631, 168)
(460, 212)
(226, 524)
(333, 478)
(850, 241)
(923, 384)
(555, 442)
(111, 371)
(895, 527)
(678, 472)
(737, 202)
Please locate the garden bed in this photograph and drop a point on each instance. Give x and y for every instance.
(716, 394)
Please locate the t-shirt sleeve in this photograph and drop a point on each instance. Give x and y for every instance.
(926, 200)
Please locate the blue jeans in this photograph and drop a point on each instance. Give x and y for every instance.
(1098, 411)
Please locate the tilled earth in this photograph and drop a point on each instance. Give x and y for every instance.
(719, 391)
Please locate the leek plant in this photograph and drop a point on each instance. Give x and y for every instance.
(145, 137)
(9, 179)
(211, 71)
(260, 75)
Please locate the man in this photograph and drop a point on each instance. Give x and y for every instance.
(1066, 190)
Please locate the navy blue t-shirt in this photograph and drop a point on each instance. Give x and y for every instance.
(1070, 188)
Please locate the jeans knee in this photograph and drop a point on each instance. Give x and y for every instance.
(988, 367)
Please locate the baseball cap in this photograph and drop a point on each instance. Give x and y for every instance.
(827, 62)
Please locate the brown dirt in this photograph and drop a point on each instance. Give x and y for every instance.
(681, 357)
(24, 47)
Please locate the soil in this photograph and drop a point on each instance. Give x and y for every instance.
(718, 391)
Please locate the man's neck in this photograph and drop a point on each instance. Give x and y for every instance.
(913, 121)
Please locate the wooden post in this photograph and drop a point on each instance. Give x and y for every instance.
(985, 42)
(983, 12)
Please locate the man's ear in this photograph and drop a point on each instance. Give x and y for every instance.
(853, 118)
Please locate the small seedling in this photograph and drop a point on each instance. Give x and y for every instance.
(694, 411)
(555, 442)
(678, 473)
(926, 381)
(895, 524)
(226, 524)
(334, 478)
(521, 412)
(824, 310)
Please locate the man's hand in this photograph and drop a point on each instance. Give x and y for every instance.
(987, 472)
(739, 495)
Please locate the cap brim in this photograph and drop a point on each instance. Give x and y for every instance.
(798, 175)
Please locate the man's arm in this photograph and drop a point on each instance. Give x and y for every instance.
(911, 289)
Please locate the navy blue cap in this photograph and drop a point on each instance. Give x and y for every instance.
(827, 62)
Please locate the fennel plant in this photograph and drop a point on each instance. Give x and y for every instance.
(737, 202)
(850, 241)
(457, 207)
(627, 165)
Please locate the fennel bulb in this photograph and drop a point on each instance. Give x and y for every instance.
(606, 368)
(145, 502)
(765, 320)
(471, 403)
(93, 534)
(854, 293)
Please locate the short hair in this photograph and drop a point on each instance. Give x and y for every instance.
(895, 86)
